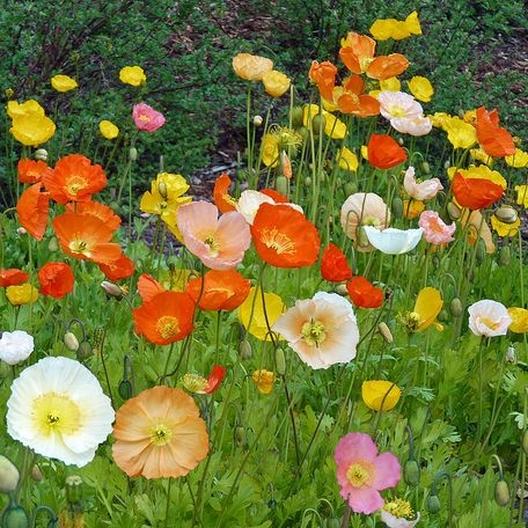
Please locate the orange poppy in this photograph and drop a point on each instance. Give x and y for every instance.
(159, 433)
(32, 171)
(56, 279)
(275, 195)
(358, 53)
(475, 193)
(334, 265)
(284, 237)
(148, 287)
(85, 237)
(165, 318)
(99, 210)
(363, 293)
(495, 140)
(352, 100)
(12, 277)
(384, 152)
(221, 197)
(119, 269)
(324, 76)
(33, 208)
(220, 290)
(74, 179)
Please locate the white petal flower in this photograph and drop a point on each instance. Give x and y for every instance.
(393, 241)
(16, 346)
(249, 202)
(489, 318)
(398, 522)
(414, 126)
(57, 408)
(322, 330)
(397, 105)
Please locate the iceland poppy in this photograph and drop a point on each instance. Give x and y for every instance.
(363, 293)
(475, 193)
(384, 152)
(56, 279)
(32, 208)
(495, 140)
(334, 265)
(222, 199)
(12, 277)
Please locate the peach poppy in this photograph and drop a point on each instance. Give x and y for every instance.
(384, 152)
(165, 318)
(148, 287)
(32, 171)
(494, 140)
(219, 290)
(32, 209)
(334, 265)
(99, 210)
(12, 277)
(350, 98)
(159, 433)
(85, 237)
(324, 76)
(220, 243)
(284, 237)
(363, 293)
(475, 193)
(222, 199)
(74, 179)
(56, 279)
(119, 269)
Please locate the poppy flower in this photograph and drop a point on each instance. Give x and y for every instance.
(276, 196)
(255, 313)
(489, 318)
(427, 307)
(98, 210)
(32, 209)
(32, 171)
(251, 67)
(200, 385)
(393, 241)
(324, 76)
(56, 279)
(436, 231)
(74, 179)
(12, 277)
(219, 290)
(85, 237)
(119, 269)
(22, 294)
(221, 197)
(148, 287)
(350, 98)
(264, 380)
(495, 140)
(132, 75)
(380, 395)
(475, 193)
(334, 265)
(32, 129)
(424, 190)
(284, 237)
(146, 118)
(276, 83)
(165, 318)
(63, 83)
(384, 152)
(363, 293)
(159, 433)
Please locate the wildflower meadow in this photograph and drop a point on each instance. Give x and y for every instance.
(330, 332)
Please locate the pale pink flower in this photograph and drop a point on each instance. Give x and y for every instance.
(322, 330)
(391, 521)
(146, 118)
(435, 230)
(397, 105)
(362, 472)
(220, 243)
(489, 318)
(415, 126)
(421, 191)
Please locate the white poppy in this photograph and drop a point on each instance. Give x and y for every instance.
(415, 126)
(393, 241)
(249, 202)
(16, 346)
(489, 318)
(398, 105)
(57, 408)
(391, 521)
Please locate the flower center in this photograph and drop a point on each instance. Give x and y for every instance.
(364, 63)
(161, 434)
(399, 508)
(168, 326)
(360, 474)
(214, 246)
(75, 185)
(79, 247)
(56, 413)
(274, 239)
(194, 383)
(397, 111)
(313, 332)
(493, 325)
(143, 117)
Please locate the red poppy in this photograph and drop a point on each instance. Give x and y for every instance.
(275, 195)
(384, 152)
(221, 197)
(119, 269)
(324, 76)
(56, 279)
(334, 265)
(284, 237)
(99, 210)
(12, 277)
(74, 179)
(363, 293)
(33, 208)
(220, 290)
(166, 318)
(475, 193)
(148, 287)
(32, 171)
(215, 378)
(495, 140)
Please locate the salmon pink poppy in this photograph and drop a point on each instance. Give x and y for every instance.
(284, 237)
(146, 118)
(99, 210)
(324, 76)
(165, 318)
(32, 171)
(494, 140)
(475, 193)
(119, 269)
(74, 179)
(219, 290)
(33, 208)
(384, 152)
(222, 199)
(436, 231)
(363, 293)
(56, 279)
(334, 265)
(12, 277)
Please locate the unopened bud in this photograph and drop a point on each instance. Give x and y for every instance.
(426, 167)
(36, 473)
(433, 504)
(71, 342)
(505, 256)
(53, 245)
(297, 116)
(257, 121)
(397, 207)
(84, 351)
(9, 475)
(341, 289)
(308, 181)
(133, 154)
(511, 354)
(456, 307)
(400, 141)
(245, 349)
(411, 472)
(112, 289)
(280, 361)
(240, 435)
(73, 486)
(125, 389)
(41, 154)
(350, 188)
(21, 231)
(384, 330)
(507, 214)
(443, 316)
(318, 123)
(453, 211)
(281, 184)
(502, 493)
(15, 517)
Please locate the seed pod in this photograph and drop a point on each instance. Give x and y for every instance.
(397, 207)
(505, 256)
(411, 472)
(502, 493)
(280, 361)
(9, 475)
(133, 154)
(297, 116)
(433, 503)
(15, 517)
(73, 487)
(257, 121)
(41, 154)
(84, 351)
(36, 473)
(456, 307)
(507, 214)
(384, 330)
(281, 184)
(318, 123)
(71, 342)
(525, 442)
(350, 188)
(245, 349)
(453, 211)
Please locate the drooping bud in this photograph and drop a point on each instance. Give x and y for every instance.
(318, 123)
(456, 307)
(411, 472)
(112, 289)
(41, 154)
(9, 475)
(53, 245)
(36, 473)
(297, 116)
(426, 167)
(280, 361)
(84, 351)
(453, 211)
(384, 330)
(502, 493)
(433, 503)
(245, 349)
(511, 355)
(257, 121)
(133, 154)
(73, 487)
(397, 207)
(71, 342)
(281, 184)
(505, 256)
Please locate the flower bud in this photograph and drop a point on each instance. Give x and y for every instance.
(133, 154)
(507, 214)
(9, 475)
(505, 256)
(453, 211)
(456, 307)
(240, 435)
(318, 123)
(511, 355)
(71, 342)
(125, 389)
(36, 473)
(308, 181)
(21, 231)
(397, 207)
(481, 251)
(53, 245)
(84, 351)
(443, 316)
(297, 116)
(281, 184)
(433, 504)
(411, 472)
(502, 493)
(257, 121)
(350, 188)
(280, 361)
(245, 349)
(384, 330)
(341, 289)
(15, 517)
(426, 167)
(112, 289)
(41, 154)
(73, 487)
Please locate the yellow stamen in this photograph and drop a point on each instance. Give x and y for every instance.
(56, 413)
(360, 474)
(274, 239)
(168, 326)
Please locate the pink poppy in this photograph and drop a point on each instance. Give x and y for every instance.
(146, 118)
(362, 472)
(220, 243)
(421, 191)
(435, 230)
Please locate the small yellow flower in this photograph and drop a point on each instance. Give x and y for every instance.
(251, 67)
(264, 380)
(412, 208)
(392, 84)
(32, 129)
(519, 324)
(459, 133)
(384, 29)
(479, 154)
(63, 83)
(133, 75)
(270, 150)
(380, 395)
(504, 229)
(427, 307)
(421, 88)
(108, 129)
(22, 294)
(251, 312)
(518, 160)
(29, 107)
(522, 195)
(347, 160)
(482, 172)
(276, 83)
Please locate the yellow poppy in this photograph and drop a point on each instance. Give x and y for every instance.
(133, 75)
(519, 324)
(380, 395)
(29, 107)
(421, 88)
(22, 294)
(384, 29)
(427, 307)
(108, 129)
(32, 129)
(459, 133)
(63, 83)
(478, 154)
(347, 160)
(270, 150)
(412, 208)
(392, 84)
(251, 67)
(264, 380)
(522, 195)
(251, 312)
(275, 83)
(504, 229)
(518, 160)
